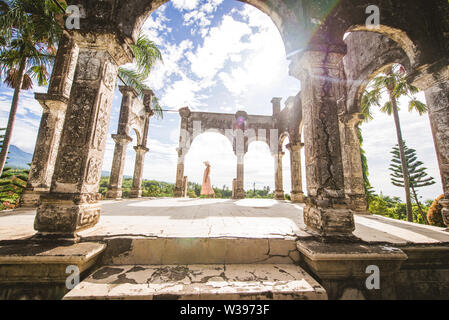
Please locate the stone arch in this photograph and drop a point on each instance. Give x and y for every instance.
(209, 130)
(130, 15)
(368, 54)
(398, 21)
(282, 138)
(138, 135)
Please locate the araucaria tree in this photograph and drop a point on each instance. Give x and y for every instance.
(393, 84)
(417, 178)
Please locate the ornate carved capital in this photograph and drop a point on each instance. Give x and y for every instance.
(122, 139)
(294, 146)
(110, 42)
(141, 149)
(185, 112)
(316, 61)
(52, 102)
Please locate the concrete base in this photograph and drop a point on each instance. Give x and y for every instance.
(199, 282)
(239, 194)
(135, 193)
(329, 222)
(114, 194)
(30, 198)
(279, 195)
(298, 197)
(38, 271)
(65, 216)
(343, 266)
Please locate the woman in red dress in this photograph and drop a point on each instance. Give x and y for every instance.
(206, 188)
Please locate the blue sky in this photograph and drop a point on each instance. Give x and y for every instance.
(225, 56)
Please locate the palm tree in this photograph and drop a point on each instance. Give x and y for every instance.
(146, 55)
(29, 31)
(393, 83)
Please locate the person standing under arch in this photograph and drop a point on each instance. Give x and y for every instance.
(206, 188)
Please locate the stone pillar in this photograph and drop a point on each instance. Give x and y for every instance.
(438, 103)
(184, 139)
(72, 203)
(239, 183)
(184, 187)
(121, 139)
(54, 104)
(141, 150)
(352, 162)
(234, 186)
(297, 195)
(179, 175)
(136, 190)
(118, 164)
(278, 178)
(326, 210)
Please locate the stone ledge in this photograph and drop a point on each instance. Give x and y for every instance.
(339, 260)
(426, 257)
(184, 251)
(199, 282)
(45, 263)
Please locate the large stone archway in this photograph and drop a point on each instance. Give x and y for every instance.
(241, 129)
(89, 67)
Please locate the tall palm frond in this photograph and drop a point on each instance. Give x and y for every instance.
(146, 53)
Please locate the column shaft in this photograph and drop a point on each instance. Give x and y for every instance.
(352, 163)
(296, 172)
(72, 203)
(118, 164)
(438, 102)
(326, 211)
(239, 184)
(54, 104)
(136, 191)
(184, 142)
(278, 177)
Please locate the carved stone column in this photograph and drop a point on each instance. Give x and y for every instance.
(121, 139)
(184, 187)
(296, 172)
(326, 210)
(141, 150)
(72, 203)
(438, 102)
(118, 164)
(178, 192)
(184, 139)
(54, 104)
(239, 184)
(352, 162)
(278, 178)
(136, 190)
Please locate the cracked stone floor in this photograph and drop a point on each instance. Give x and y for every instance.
(248, 218)
(199, 282)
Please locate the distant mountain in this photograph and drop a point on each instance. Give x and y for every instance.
(17, 158)
(108, 173)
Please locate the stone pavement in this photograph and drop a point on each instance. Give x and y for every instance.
(215, 218)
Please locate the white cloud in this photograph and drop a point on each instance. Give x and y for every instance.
(185, 4)
(221, 42)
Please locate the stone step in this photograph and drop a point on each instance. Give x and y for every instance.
(180, 251)
(199, 282)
